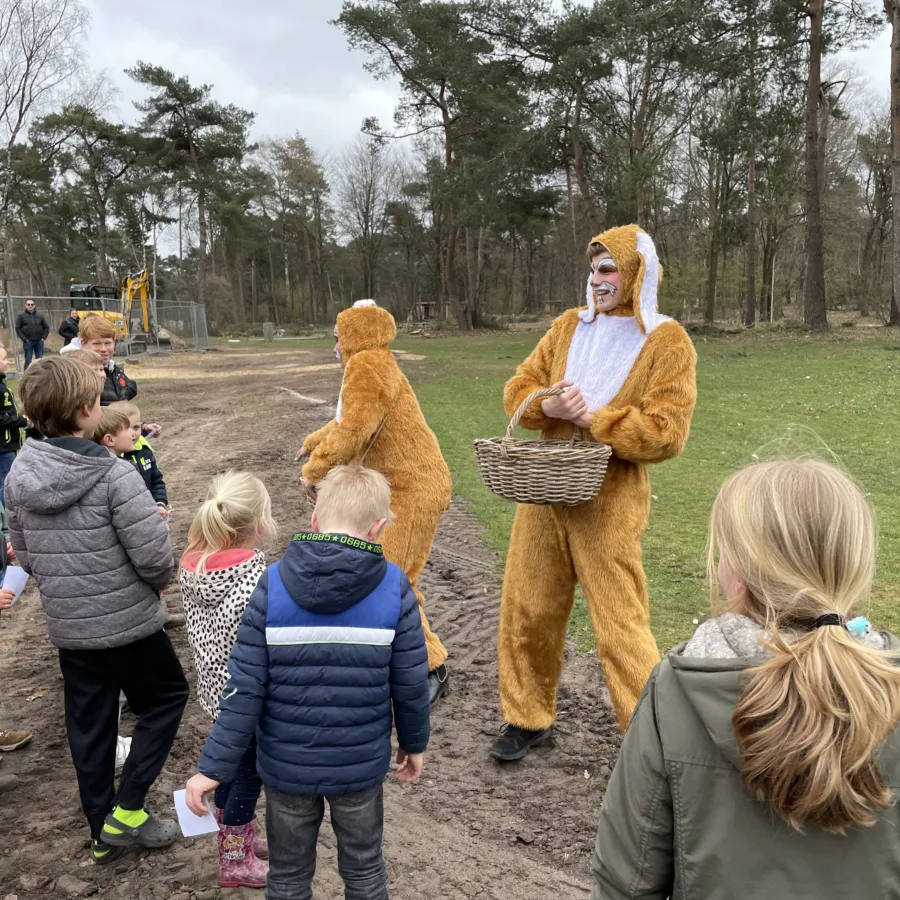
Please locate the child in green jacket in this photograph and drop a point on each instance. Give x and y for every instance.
(761, 759)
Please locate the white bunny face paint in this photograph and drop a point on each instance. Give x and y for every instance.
(605, 282)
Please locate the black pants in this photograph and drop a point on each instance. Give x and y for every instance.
(238, 799)
(149, 673)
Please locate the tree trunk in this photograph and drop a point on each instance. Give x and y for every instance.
(237, 296)
(273, 305)
(712, 265)
(288, 293)
(311, 276)
(471, 270)
(254, 292)
(892, 8)
(578, 149)
(814, 307)
(870, 279)
(750, 299)
(201, 255)
(637, 147)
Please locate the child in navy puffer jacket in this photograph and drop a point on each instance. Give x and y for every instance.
(329, 655)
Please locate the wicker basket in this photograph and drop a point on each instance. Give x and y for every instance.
(543, 473)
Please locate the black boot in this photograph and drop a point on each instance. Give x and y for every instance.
(438, 683)
(515, 742)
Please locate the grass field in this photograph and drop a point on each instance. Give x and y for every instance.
(764, 394)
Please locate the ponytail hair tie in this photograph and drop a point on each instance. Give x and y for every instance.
(830, 619)
(218, 501)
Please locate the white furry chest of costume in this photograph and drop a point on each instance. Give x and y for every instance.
(601, 356)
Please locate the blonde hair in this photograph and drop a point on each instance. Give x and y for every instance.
(810, 721)
(86, 356)
(54, 391)
(126, 407)
(352, 497)
(237, 509)
(112, 422)
(95, 328)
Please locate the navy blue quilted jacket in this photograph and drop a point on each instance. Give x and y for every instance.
(329, 654)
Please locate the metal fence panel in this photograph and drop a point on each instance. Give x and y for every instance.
(183, 320)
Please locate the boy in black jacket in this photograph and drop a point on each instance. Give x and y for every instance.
(11, 424)
(120, 433)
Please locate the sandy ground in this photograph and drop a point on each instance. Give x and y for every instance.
(470, 828)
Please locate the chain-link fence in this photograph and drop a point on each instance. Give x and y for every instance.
(181, 325)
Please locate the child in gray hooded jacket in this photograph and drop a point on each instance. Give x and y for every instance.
(84, 525)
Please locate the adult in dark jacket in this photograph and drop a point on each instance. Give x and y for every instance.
(68, 328)
(32, 329)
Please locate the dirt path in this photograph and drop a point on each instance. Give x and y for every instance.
(471, 828)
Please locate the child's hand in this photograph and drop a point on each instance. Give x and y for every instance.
(151, 430)
(197, 788)
(6, 598)
(163, 513)
(302, 455)
(10, 553)
(411, 765)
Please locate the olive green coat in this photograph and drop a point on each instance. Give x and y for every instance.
(677, 823)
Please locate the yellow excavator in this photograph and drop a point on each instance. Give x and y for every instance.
(118, 308)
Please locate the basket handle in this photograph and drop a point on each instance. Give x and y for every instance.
(523, 406)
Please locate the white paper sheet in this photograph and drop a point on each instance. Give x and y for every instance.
(15, 580)
(191, 825)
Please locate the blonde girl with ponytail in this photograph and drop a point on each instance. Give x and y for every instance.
(219, 572)
(764, 756)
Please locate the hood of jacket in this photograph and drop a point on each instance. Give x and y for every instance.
(222, 573)
(711, 666)
(328, 573)
(55, 474)
(365, 328)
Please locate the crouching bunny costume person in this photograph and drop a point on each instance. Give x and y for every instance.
(379, 423)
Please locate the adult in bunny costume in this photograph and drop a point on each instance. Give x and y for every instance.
(379, 424)
(629, 375)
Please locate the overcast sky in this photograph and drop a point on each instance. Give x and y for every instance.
(278, 58)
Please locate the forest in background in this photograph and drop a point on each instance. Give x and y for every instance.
(727, 128)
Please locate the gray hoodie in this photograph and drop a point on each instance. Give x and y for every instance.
(84, 524)
(676, 821)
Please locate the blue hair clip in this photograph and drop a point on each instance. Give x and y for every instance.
(859, 627)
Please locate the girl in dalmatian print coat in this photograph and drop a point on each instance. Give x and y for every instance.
(219, 572)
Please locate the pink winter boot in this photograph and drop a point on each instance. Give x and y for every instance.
(238, 864)
(260, 844)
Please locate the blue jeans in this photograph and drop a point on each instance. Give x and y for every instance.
(6, 461)
(292, 828)
(237, 800)
(32, 348)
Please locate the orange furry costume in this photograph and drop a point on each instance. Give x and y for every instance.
(644, 394)
(375, 395)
